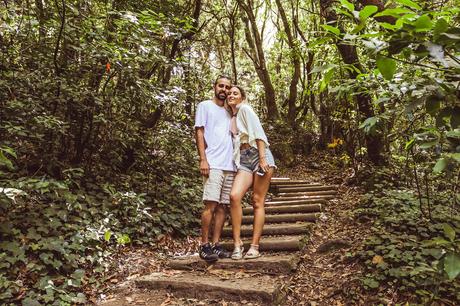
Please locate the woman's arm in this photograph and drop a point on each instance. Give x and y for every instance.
(262, 159)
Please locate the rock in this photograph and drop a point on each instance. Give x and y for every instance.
(272, 264)
(331, 245)
(284, 153)
(263, 289)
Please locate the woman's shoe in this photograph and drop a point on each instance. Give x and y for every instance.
(238, 251)
(253, 252)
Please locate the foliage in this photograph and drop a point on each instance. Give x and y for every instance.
(413, 255)
(81, 173)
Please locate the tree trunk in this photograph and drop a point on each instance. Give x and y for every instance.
(294, 46)
(256, 53)
(374, 143)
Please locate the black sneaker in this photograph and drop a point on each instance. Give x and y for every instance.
(219, 250)
(207, 254)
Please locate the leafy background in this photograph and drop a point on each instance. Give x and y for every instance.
(96, 138)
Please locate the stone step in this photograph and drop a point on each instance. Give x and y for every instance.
(279, 179)
(307, 217)
(293, 183)
(271, 264)
(295, 202)
(307, 193)
(285, 243)
(300, 188)
(272, 229)
(297, 197)
(305, 208)
(227, 285)
(290, 181)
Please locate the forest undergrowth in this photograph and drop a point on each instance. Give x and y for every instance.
(389, 254)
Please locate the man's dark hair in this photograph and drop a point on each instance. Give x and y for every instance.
(222, 76)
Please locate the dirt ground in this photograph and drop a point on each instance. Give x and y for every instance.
(327, 274)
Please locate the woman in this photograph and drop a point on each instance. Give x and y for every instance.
(255, 168)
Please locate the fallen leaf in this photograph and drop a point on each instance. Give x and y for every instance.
(377, 259)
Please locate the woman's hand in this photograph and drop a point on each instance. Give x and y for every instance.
(263, 164)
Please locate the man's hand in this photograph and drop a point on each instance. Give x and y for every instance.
(204, 168)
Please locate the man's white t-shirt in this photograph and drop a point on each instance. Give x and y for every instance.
(216, 122)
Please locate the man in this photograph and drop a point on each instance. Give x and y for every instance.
(214, 143)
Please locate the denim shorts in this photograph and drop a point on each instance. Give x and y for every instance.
(249, 159)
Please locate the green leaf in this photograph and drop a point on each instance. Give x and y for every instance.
(30, 302)
(348, 5)
(452, 265)
(9, 150)
(367, 11)
(331, 29)
(327, 78)
(423, 24)
(79, 299)
(107, 236)
(440, 27)
(428, 144)
(5, 161)
(123, 239)
(432, 105)
(441, 164)
(369, 124)
(395, 12)
(409, 3)
(409, 144)
(386, 66)
(454, 134)
(449, 231)
(323, 68)
(455, 156)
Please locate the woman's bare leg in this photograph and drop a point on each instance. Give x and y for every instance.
(241, 184)
(260, 189)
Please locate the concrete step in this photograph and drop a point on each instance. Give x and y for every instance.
(300, 188)
(306, 217)
(305, 208)
(272, 229)
(217, 284)
(295, 202)
(285, 243)
(271, 264)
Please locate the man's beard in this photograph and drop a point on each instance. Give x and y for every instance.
(221, 95)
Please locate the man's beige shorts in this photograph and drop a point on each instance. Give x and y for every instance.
(218, 185)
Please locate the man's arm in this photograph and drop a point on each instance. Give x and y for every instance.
(201, 146)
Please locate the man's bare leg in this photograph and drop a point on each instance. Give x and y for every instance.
(206, 219)
(219, 220)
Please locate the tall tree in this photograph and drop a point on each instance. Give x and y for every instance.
(293, 44)
(256, 53)
(349, 54)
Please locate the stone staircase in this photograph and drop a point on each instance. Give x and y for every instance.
(289, 217)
